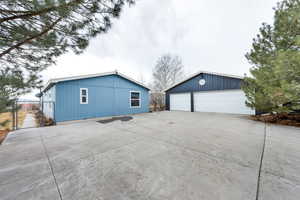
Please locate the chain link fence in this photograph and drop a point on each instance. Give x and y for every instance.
(30, 114)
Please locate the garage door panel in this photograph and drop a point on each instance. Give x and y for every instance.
(221, 102)
(180, 101)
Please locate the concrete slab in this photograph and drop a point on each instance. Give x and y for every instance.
(276, 187)
(281, 164)
(25, 171)
(166, 155)
(282, 155)
(30, 181)
(174, 173)
(214, 136)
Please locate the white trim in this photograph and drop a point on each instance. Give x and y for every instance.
(215, 91)
(204, 72)
(57, 80)
(132, 80)
(86, 95)
(140, 99)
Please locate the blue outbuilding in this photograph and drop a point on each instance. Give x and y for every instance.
(208, 92)
(92, 96)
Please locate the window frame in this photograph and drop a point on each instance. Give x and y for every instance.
(139, 99)
(86, 95)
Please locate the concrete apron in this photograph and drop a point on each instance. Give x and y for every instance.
(167, 155)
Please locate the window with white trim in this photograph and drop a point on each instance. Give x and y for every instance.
(135, 99)
(84, 98)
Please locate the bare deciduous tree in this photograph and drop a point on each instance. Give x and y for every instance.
(167, 71)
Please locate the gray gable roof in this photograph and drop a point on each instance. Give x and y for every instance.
(204, 72)
(57, 80)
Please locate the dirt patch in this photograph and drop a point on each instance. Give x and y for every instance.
(282, 119)
(3, 134)
(123, 119)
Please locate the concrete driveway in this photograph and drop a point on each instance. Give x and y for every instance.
(159, 156)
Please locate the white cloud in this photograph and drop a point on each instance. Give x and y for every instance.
(210, 35)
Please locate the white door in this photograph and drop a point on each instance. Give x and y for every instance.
(232, 101)
(180, 101)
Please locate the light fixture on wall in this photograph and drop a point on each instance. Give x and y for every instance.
(202, 82)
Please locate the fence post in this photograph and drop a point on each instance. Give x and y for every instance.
(16, 115)
(13, 116)
(42, 113)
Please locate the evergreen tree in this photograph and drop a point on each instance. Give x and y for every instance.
(275, 85)
(33, 33)
(12, 85)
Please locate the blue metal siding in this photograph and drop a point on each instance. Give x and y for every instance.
(107, 96)
(212, 82)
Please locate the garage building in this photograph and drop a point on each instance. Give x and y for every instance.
(208, 92)
(94, 95)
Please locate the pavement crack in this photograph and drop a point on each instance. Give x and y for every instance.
(261, 163)
(51, 167)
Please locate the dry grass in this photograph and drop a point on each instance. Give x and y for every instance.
(8, 116)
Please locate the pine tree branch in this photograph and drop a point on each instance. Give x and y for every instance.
(30, 38)
(39, 12)
(13, 11)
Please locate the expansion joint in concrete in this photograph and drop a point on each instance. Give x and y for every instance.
(51, 167)
(261, 163)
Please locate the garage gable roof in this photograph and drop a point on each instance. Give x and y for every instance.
(52, 82)
(204, 72)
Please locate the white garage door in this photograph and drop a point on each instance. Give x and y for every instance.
(232, 101)
(180, 101)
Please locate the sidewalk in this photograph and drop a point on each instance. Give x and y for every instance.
(29, 121)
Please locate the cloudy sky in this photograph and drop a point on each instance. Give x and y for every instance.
(210, 35)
